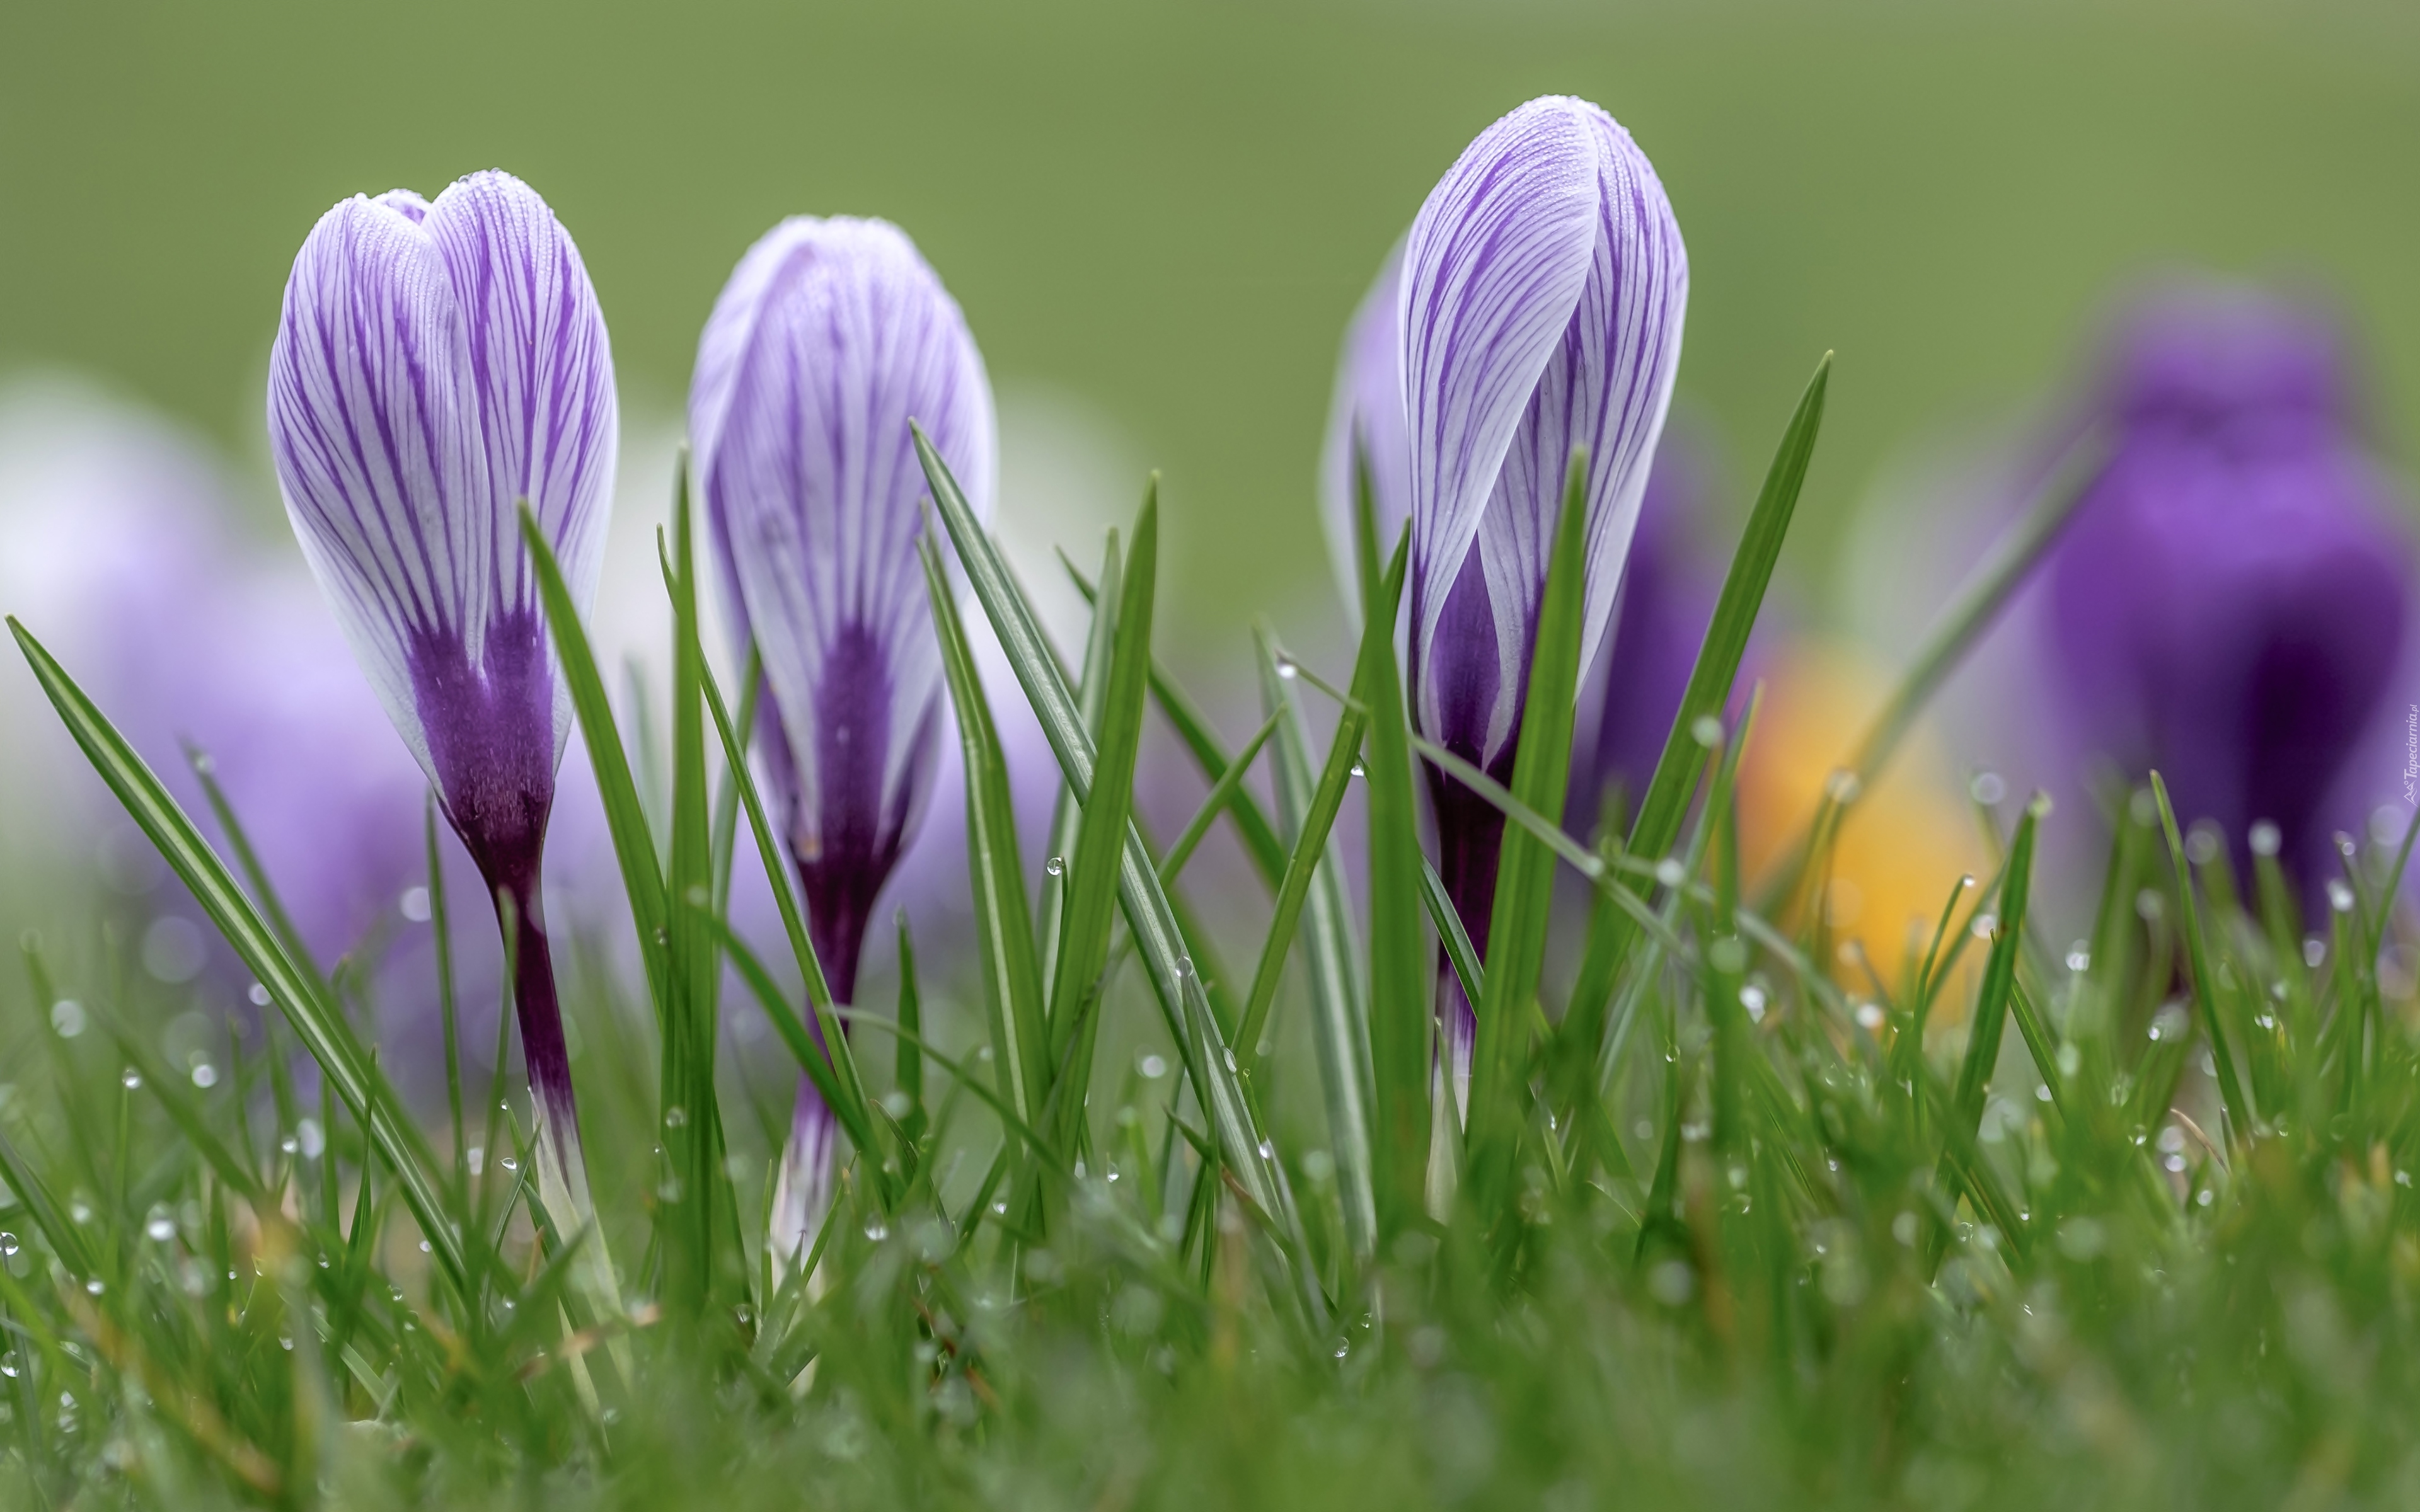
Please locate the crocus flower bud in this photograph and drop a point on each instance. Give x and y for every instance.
(1542, 293)
(2229, 600)
(438, 364)
(830, 336)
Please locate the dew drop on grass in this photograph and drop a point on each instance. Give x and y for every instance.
(675, 1116)
(94, 1288)
(1706, 730)
(258, 995)
(1870, 1016)
(509, 1164)
(1056, 866)
(1287, 670)
(1151, 1067)
(1983, 926)
(896, 1104)
(1988, 787)
(2079, 959)
(414, 905)
(205, 1074)
(81, 1211)
(308, 1134)
(129, 1078)
(7, 1246)
(1670, 873)
(2265, 838)
(2339, 895)
(1231, 1061)
(160, 1229)
(67, 1017)
(877, 1230)
(1358, 770)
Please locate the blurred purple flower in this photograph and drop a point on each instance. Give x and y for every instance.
(1543, 288)
(830, 336)
(122, 546)
(2230, 598)
(437, 365)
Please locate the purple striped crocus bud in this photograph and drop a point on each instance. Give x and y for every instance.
(2230, 598)
(1543, 292)
(830, 336)
(438, 364)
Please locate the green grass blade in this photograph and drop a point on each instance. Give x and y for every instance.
(688, 1112)
(1525, 875)
(1309, 850)
(1459, 952)
(1193, 729)
(1003, 924)
(317, 1019)
(2204, 980)
(1092, 871)
(814, 1060)
(1999, 975)
(1402, 1023)
(1219, 799)
(1666, 803)
(1091, 692)
(626, 819)
(1159, 942)
(846, 1084)
(1339, 993)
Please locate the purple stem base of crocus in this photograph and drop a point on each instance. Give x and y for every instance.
(802, 1188)
(537, 1009)
(840, 903)
(1470, 842)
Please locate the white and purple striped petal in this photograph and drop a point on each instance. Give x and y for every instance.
(1541, 307)
(832, 335)
(435, 364)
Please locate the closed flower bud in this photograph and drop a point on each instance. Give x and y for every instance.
(438, 364)
(2229, 601)
(1541, 293)
(829, 338)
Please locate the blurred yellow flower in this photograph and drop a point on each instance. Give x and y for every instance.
(1901, 846)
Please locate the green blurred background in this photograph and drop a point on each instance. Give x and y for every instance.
(1166, 210)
